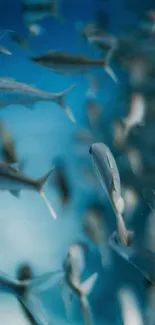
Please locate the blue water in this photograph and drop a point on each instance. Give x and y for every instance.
(27, 231)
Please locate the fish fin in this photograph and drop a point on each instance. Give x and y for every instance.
(34, 309)
(149, 196)
(19, 166)
(107, 68)
(30, 106)
(15, 193)
(67, 297)
(120, 205)
(87, 285)
(42, 180)
(39, 185)
(60, 101)
(45, 281)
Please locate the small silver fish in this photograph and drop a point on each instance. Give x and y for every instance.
(14, 181)
(108, 174)
(13, 92)
(73, 267)
(35, 29)
(65, 63)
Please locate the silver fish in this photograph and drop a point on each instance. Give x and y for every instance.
(14, 181)
(108, 174)
(13, 92)
(65, 63)
(73, 268)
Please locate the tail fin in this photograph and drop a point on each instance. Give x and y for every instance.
(60, 101)
(39, 184)
(86, 288)
(87, 285)
(107, 67)
(45, 281)
(42, 180)
(5, 51)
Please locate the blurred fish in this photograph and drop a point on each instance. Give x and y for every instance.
(26, 288)
(130, 311)
(14, 181)
(83, 136)
(35, 29)
(95, 228)
(94, 111)
(108, 175)
(8, 147)
(136, 114)
(13, 92)
(65, 63)
(44, 8)
(74, 265)
(103, 40)
(118, 135)
(135, 160)
(93, 87)
(61, 182)
(23, 42)
(5, 50)
(131, 199)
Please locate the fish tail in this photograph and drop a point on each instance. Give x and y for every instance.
(40, 184)
(45, 281)
(107, 67)
(61, 102)
(86, 311)
(42, 180)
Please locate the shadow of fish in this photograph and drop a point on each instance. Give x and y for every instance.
(13, 92)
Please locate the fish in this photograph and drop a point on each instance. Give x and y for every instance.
(61, 182)
(131, 199)
(108, 174)
(74, 265)
(136, 114)
(26, 288)
(22, 41)
(14, 181)
(93, 87)
(50, 7)
(4, 50)
(135, 159)
(95, 228)
(8, 147)
(34, 12)
(35, 29)
(94, 111)
(64, 63)
(17, 93)
(130, 311)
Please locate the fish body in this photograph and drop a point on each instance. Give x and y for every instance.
(35, 29)
(17, 93)
(61, 182)
(108, 174)
(66, 63)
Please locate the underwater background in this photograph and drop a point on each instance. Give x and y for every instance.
(44, 135)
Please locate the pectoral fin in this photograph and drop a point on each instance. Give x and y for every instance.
(15, 193)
